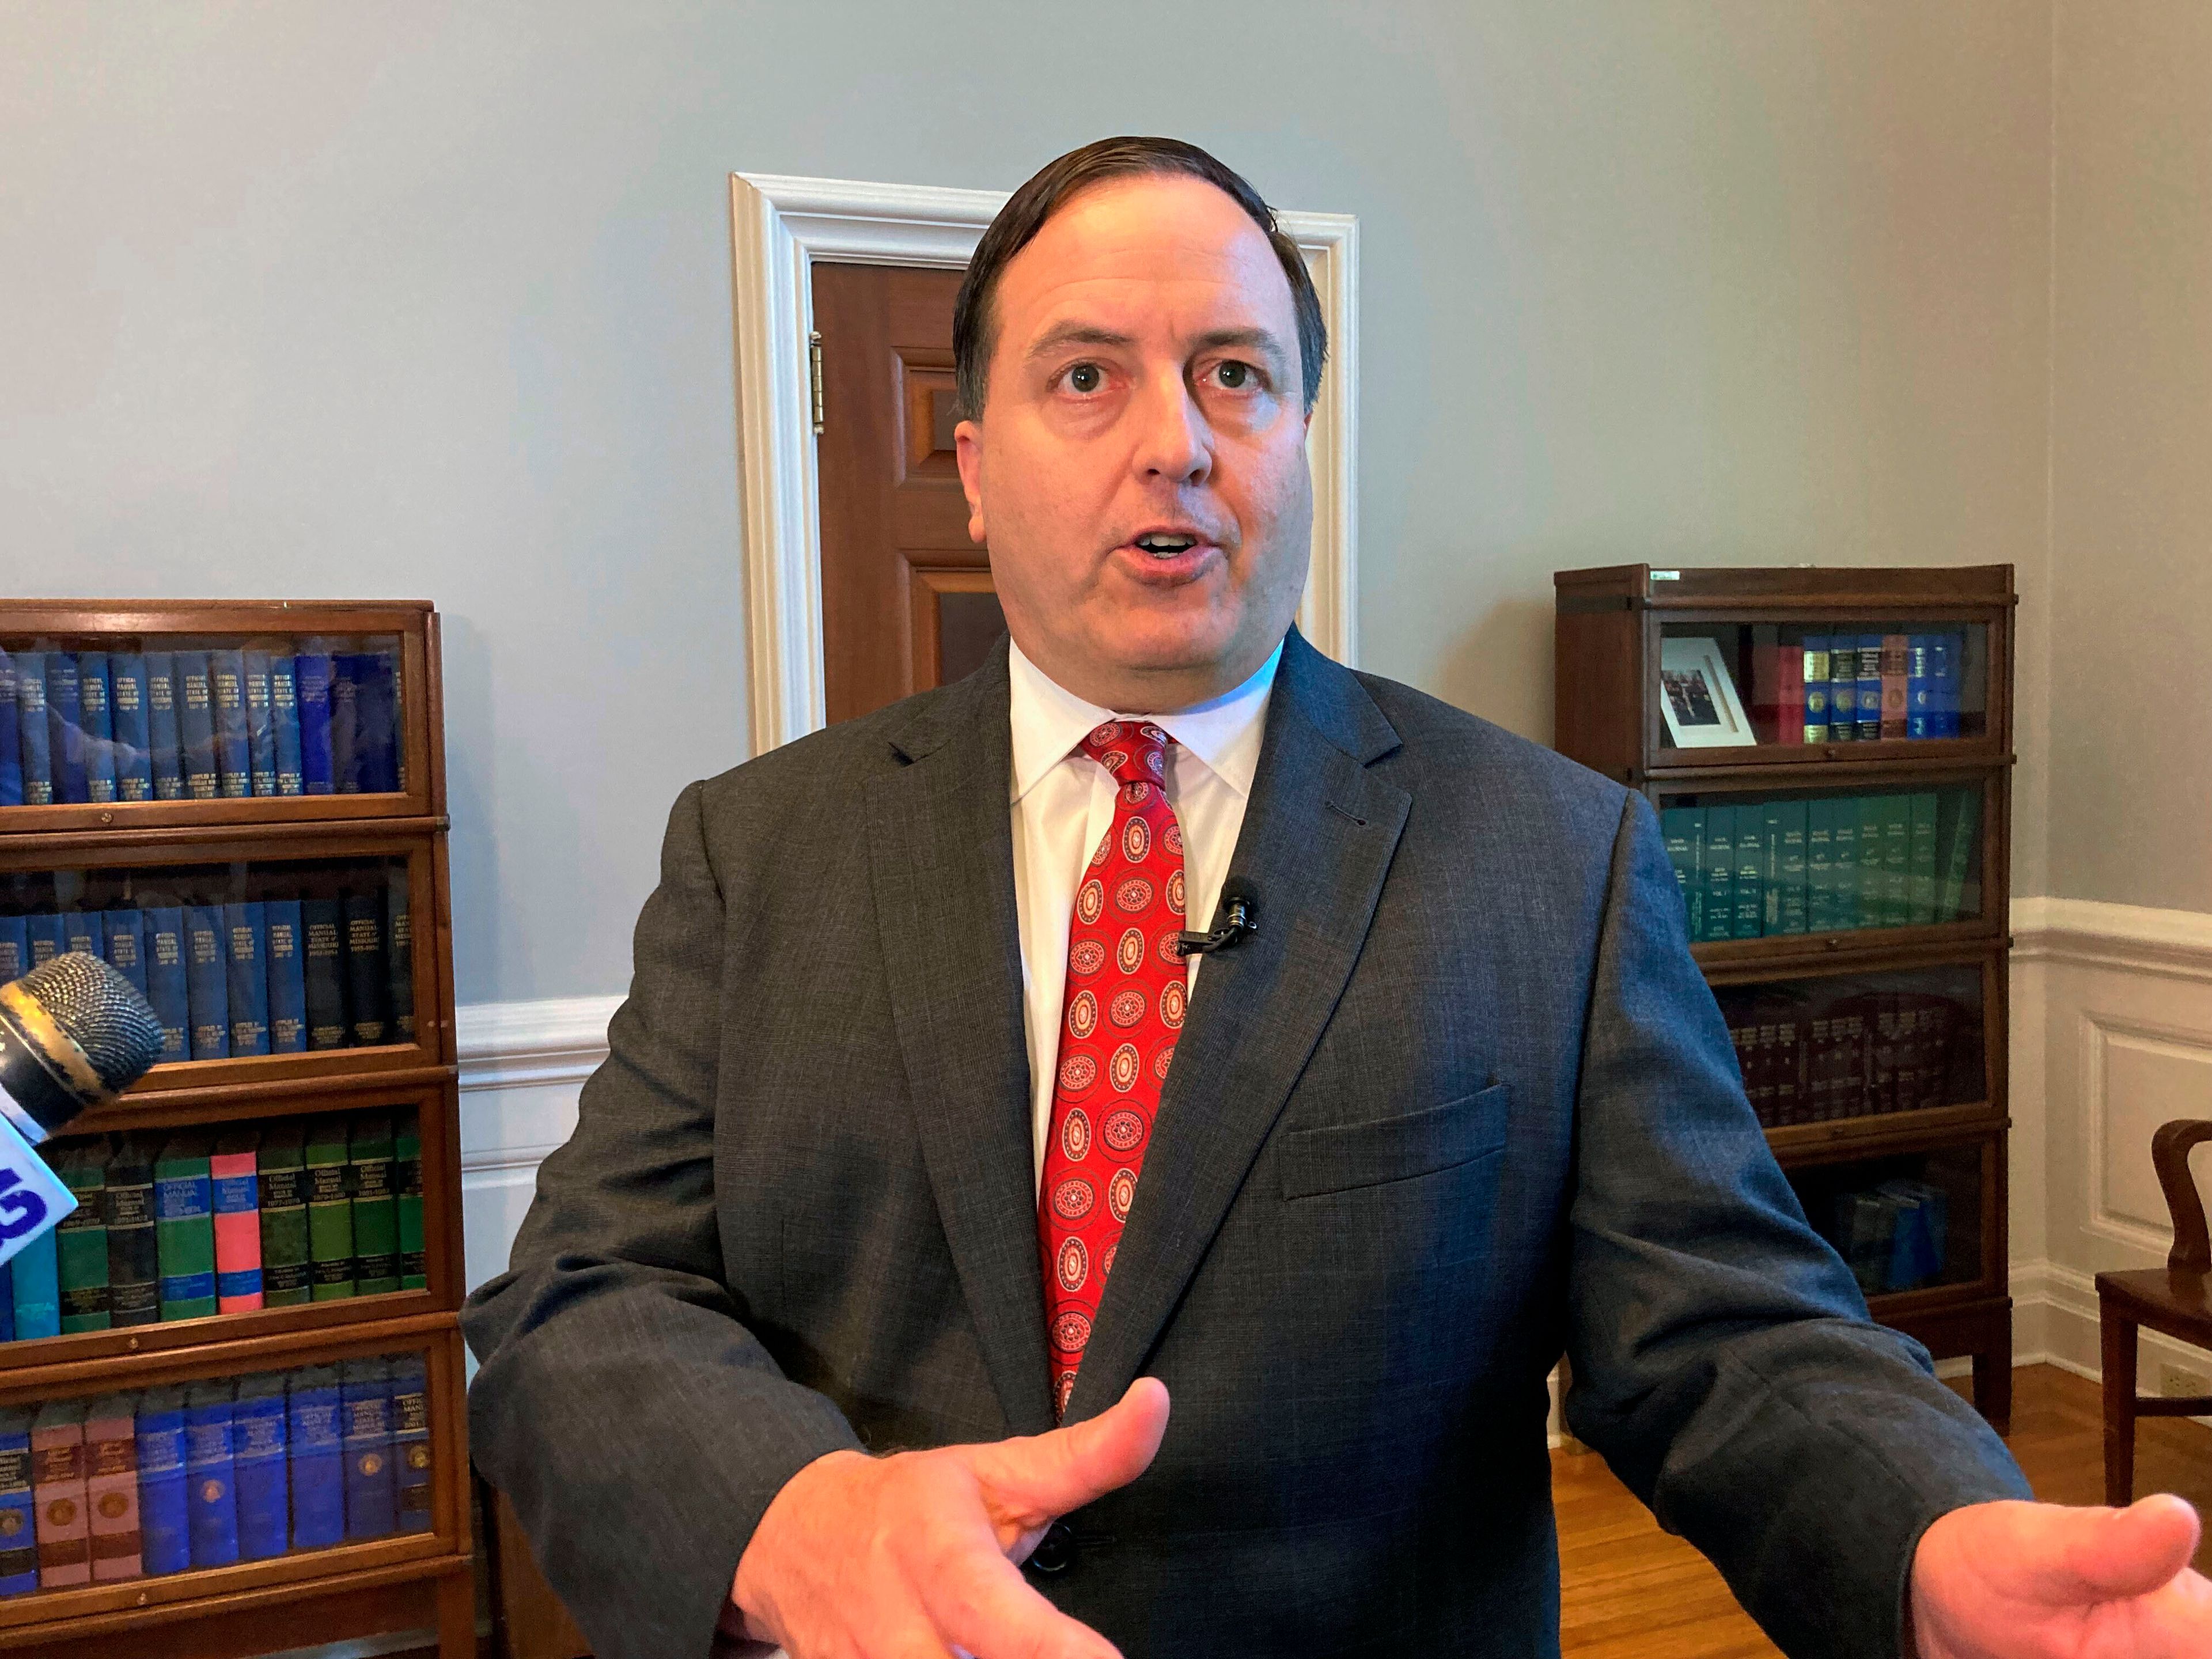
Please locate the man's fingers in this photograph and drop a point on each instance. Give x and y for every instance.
(984, 1606)
(1046, 1475)
(2113, 1553)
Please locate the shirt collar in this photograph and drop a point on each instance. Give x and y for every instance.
(1049, 720)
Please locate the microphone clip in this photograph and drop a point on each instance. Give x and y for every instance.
(1240, 919)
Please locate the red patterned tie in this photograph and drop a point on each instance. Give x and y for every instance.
(1123, 1006)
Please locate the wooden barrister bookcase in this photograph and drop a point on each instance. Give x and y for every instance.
(378, 837)
(1869, 1009)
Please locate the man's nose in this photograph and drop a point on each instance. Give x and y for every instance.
(1174, 441)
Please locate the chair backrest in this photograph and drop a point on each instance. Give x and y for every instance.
(2169, 1156)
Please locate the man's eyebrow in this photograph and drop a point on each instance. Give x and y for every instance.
(1259, 339)
(1067, 334)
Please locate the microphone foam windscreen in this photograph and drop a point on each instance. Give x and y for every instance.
(100, 1011)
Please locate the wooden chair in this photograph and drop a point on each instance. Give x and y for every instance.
(2175, 1299)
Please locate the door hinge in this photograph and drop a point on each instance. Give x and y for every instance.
(814, 375)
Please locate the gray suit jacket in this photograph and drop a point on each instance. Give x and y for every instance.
(1464, 1103)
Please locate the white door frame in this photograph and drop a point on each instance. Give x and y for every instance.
(779, 226)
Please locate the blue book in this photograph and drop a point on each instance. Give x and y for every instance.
(245, 928)
(65, 727)
(284, 722)
(366, 1390)
(345, 722)
(166, 755)
(164, 1525)
(82, 931)
(207, 980)
(316, 775)
(211, 1472)
(376, 721)
(125, 932)
(196, 726)
(38, 1292)
(98, 719)
(1720, 872)
(14, 949)
(19, 1512)
(33, 733)
(1843, 688)
(234, 748)
(11, 736)
(1869, 709)
(1916, 686)
(287, 979)
(134, 754)
(259, 1438)
(167, 982)
(410, 1440)
(260, 723)
(1945, 651)
(46, 938)
(318, 1457)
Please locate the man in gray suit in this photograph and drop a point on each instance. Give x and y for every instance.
(912, 1056)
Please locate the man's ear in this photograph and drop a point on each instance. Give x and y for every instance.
(967, 450)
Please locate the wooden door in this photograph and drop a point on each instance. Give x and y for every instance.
(906, 598)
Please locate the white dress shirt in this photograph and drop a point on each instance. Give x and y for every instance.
(1063, 805)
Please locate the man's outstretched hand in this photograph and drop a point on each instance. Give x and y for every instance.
(914, 1555)
(2037, 1581)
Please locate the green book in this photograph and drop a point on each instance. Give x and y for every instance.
(407, 1184)
(1870, 877)
(281, 1172)
(1720, 872)
(1844, 856)
(134, 1275)
(1788, 904)
(1896, 860)
(183, 1227)
(1959, 823)
(1750, 872)
(375, 1213)
(1821, 866)
(81, 1240)
(1920, 886)
(1683, 829)
(329, 1211)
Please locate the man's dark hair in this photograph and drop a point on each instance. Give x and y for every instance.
(975, 329)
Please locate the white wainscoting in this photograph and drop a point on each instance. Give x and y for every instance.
(2111, 1035)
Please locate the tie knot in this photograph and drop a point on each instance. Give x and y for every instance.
(1134, 752)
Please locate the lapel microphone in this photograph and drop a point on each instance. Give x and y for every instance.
(1240, 913)
(73, 1031)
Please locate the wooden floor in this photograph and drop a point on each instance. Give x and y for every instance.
(1629, 1591)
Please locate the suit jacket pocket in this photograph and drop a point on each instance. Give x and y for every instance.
(1330, 1160)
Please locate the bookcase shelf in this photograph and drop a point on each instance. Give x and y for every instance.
(99, 857)
(1873, 1051)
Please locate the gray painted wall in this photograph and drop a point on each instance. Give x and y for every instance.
(328, 299)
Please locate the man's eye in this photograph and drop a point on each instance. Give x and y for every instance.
(1236, 376)
(1086, 377)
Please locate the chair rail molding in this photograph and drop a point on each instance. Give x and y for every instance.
(779, 226)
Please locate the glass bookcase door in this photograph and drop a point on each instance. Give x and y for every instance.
(1906, 1221)
(1860, 1047)
(120, 719)
(1771, 863)
(244, 959)
(1779, 685)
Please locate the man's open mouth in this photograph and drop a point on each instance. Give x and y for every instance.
(1161, 545)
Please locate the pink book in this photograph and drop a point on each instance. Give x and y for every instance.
(111, 1486)
(236, 1195)
(58, 1488)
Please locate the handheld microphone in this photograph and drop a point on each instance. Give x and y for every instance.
(73, 1032)
(1240, 913)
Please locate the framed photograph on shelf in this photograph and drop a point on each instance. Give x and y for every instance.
(1699, 698)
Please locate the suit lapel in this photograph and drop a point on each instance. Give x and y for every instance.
(1317, 839)
(941, 853)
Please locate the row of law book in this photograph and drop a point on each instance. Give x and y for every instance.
(140, 1484)
(1894, 1236)
(1832, 865)
(228, 1221)
(95, 726)
(1856, 687)
(1860, 1055)
(280, 976)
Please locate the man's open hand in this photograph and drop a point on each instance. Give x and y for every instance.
(913, 1556)
(2037, 1581)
